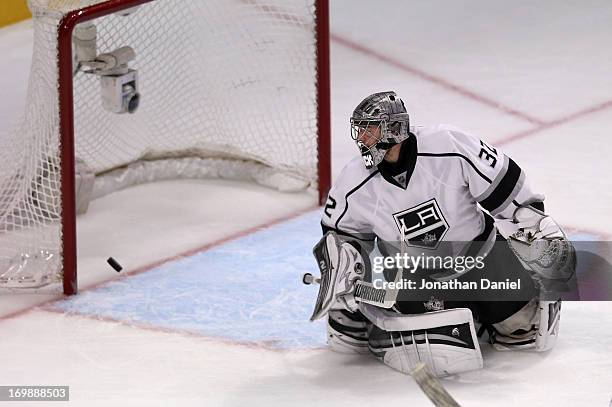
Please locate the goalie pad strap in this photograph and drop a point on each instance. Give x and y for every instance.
(367, 293)
(347, 332)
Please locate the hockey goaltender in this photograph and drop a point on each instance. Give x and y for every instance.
(434, 188)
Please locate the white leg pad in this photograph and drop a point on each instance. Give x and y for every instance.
(534, 327)
(548, 330)
(444, 340)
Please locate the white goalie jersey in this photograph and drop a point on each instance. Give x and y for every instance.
(434, 193)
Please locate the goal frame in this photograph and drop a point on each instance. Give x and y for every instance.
(66, 119)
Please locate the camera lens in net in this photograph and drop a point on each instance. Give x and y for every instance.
(134, 103)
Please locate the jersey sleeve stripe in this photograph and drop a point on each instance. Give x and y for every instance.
(349, 193)
(498, 179)
(512, 197)
(460, 156)
(507, 188)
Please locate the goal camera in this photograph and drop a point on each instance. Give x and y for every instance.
(119, 83)
(120, 92)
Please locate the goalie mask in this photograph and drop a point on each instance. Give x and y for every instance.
(378, 123)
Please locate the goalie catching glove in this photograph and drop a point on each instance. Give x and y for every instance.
(539, 243)
(341, 266)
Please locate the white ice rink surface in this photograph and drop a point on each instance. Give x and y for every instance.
(530, 77)
(108, 364)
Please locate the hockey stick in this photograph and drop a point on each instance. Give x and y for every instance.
(432, 387)
(364, 292)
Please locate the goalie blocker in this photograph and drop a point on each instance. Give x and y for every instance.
(341, 266)
(342, 284)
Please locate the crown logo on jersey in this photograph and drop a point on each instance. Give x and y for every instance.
(401, 180)
(429, 238)
(434, 304)
(423, 225)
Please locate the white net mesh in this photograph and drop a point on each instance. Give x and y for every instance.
(224, 83)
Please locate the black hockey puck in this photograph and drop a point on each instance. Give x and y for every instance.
(307, 278)
(113, 263)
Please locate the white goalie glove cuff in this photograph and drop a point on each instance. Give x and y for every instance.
(341, 265)
(528, 224)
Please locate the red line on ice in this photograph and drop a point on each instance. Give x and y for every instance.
(557, 122)
(264, 345)
(435, 79)
(540, 124)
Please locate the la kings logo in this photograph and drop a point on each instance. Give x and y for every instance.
(423, 225)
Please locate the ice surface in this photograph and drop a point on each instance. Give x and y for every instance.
(134, 341)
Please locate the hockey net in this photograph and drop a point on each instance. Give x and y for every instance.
(229, 88)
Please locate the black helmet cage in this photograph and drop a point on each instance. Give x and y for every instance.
(386, 112)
